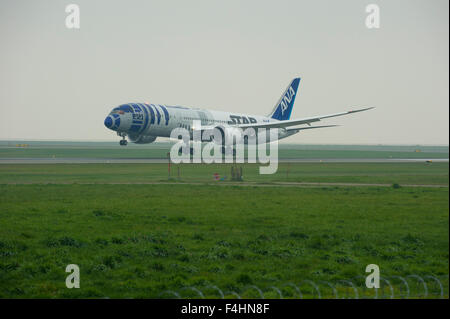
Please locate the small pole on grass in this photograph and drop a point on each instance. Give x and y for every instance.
(287, 170)
(168, 160)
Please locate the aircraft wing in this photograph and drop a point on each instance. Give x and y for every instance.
(309, 127)
(288, 123)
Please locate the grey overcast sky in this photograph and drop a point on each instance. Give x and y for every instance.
(58, 83)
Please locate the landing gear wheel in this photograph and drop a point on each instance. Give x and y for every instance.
(123, 142)
(185, 150)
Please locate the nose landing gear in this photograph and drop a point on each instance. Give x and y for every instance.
(123, 141)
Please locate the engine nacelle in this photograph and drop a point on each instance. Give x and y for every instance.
(142, 139)
(233, 136)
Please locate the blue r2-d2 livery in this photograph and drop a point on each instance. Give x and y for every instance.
(142, 123)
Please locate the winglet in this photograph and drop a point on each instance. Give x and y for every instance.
(361, 110)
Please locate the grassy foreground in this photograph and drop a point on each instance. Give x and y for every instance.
(369, 173)
(140, 240)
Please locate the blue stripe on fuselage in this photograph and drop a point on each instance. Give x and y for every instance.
(152, 114)
(158, 114)
(166, 113)
(146, 118)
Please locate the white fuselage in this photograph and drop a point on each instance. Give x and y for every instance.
(143, 122)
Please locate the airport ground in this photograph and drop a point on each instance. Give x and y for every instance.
(112, 151)
(137, 232)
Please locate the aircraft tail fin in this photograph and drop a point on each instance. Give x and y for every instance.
(283, 109)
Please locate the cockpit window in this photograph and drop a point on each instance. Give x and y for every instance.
(116, 111)
(125, 108)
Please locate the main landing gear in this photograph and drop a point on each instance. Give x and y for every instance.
(228, 150)
(191, 151)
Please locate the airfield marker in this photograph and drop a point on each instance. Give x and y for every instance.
(168, 159)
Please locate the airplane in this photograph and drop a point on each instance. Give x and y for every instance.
(143, 123)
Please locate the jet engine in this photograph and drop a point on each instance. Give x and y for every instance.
(232, 135)
(142, 139)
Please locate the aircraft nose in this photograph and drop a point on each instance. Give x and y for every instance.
(108, 122)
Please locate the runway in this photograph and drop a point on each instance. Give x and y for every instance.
(81, 160)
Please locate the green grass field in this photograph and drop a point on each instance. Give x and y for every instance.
(369, 173)
(140, 240)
